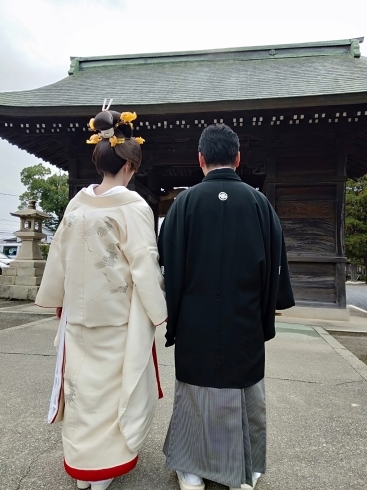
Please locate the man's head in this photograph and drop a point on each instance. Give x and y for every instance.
(218, 147)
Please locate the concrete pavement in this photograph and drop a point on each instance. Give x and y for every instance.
(356, 293)
(316, 400)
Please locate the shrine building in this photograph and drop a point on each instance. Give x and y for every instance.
(300, 112)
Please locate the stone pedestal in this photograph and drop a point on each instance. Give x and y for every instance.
(23, 277)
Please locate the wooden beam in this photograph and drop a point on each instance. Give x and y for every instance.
(186, 108)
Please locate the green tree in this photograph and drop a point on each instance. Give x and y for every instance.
(50, 190)
(356, 221)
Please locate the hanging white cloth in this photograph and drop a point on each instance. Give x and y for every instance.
(56, 409)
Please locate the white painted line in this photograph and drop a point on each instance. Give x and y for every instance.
(28, 312)
(357, 308)
(25, 325)
(16, 306)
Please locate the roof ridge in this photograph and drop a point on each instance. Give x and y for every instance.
(321, 48)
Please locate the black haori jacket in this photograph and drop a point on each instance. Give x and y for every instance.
(226, 272)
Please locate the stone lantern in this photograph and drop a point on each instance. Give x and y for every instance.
(23, 278)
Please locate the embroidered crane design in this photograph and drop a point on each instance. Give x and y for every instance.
(108, 260)
(99, 230)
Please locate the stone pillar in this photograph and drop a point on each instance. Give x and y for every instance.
(23, 277)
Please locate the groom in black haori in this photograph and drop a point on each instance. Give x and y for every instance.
(226, 273)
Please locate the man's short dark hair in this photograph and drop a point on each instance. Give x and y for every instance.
(219, 145)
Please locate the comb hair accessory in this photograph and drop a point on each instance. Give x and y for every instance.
(107, 133)
(116, 141)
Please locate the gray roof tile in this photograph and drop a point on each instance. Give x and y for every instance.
(199, 80)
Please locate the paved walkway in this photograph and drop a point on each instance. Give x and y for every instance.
(316, 398)
(356, 293)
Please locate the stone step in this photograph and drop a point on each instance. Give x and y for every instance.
(23, 271)
(27, 281)
(7, 279)
(14, 291)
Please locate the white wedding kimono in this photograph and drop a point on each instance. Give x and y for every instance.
(103, 269)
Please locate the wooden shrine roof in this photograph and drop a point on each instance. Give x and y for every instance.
(255, 78)
(272, 88)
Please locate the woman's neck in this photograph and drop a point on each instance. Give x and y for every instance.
(109, 181)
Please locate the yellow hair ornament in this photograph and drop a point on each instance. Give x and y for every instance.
(116, 141)
(91, 124)
(127, 117)
(94, 139)
(140, 140)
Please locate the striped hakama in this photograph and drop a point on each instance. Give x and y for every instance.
(218, 434)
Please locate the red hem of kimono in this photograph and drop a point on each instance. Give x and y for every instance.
(97, 475)
(155, 360)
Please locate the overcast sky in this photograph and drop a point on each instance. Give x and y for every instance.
(38, 37)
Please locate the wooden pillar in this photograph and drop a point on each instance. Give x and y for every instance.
(72, 175)
(306, 187)
(151, 198)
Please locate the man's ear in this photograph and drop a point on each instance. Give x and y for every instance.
(201, 160)
(237, 160)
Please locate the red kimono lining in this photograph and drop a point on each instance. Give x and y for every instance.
(104, 474)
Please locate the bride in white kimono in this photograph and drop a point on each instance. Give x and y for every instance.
(103, 274)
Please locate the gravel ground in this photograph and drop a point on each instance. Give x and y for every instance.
(357, 295)
(354, 342)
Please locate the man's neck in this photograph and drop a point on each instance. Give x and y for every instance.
(211, 169)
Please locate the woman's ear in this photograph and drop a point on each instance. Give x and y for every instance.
(129, 167)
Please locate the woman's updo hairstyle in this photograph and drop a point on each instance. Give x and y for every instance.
(115, 144)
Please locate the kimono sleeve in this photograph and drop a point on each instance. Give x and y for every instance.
(277, 291)
(51, 291)
(140, 249)
(285, 297)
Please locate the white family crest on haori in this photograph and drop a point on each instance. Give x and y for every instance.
(223, 196)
